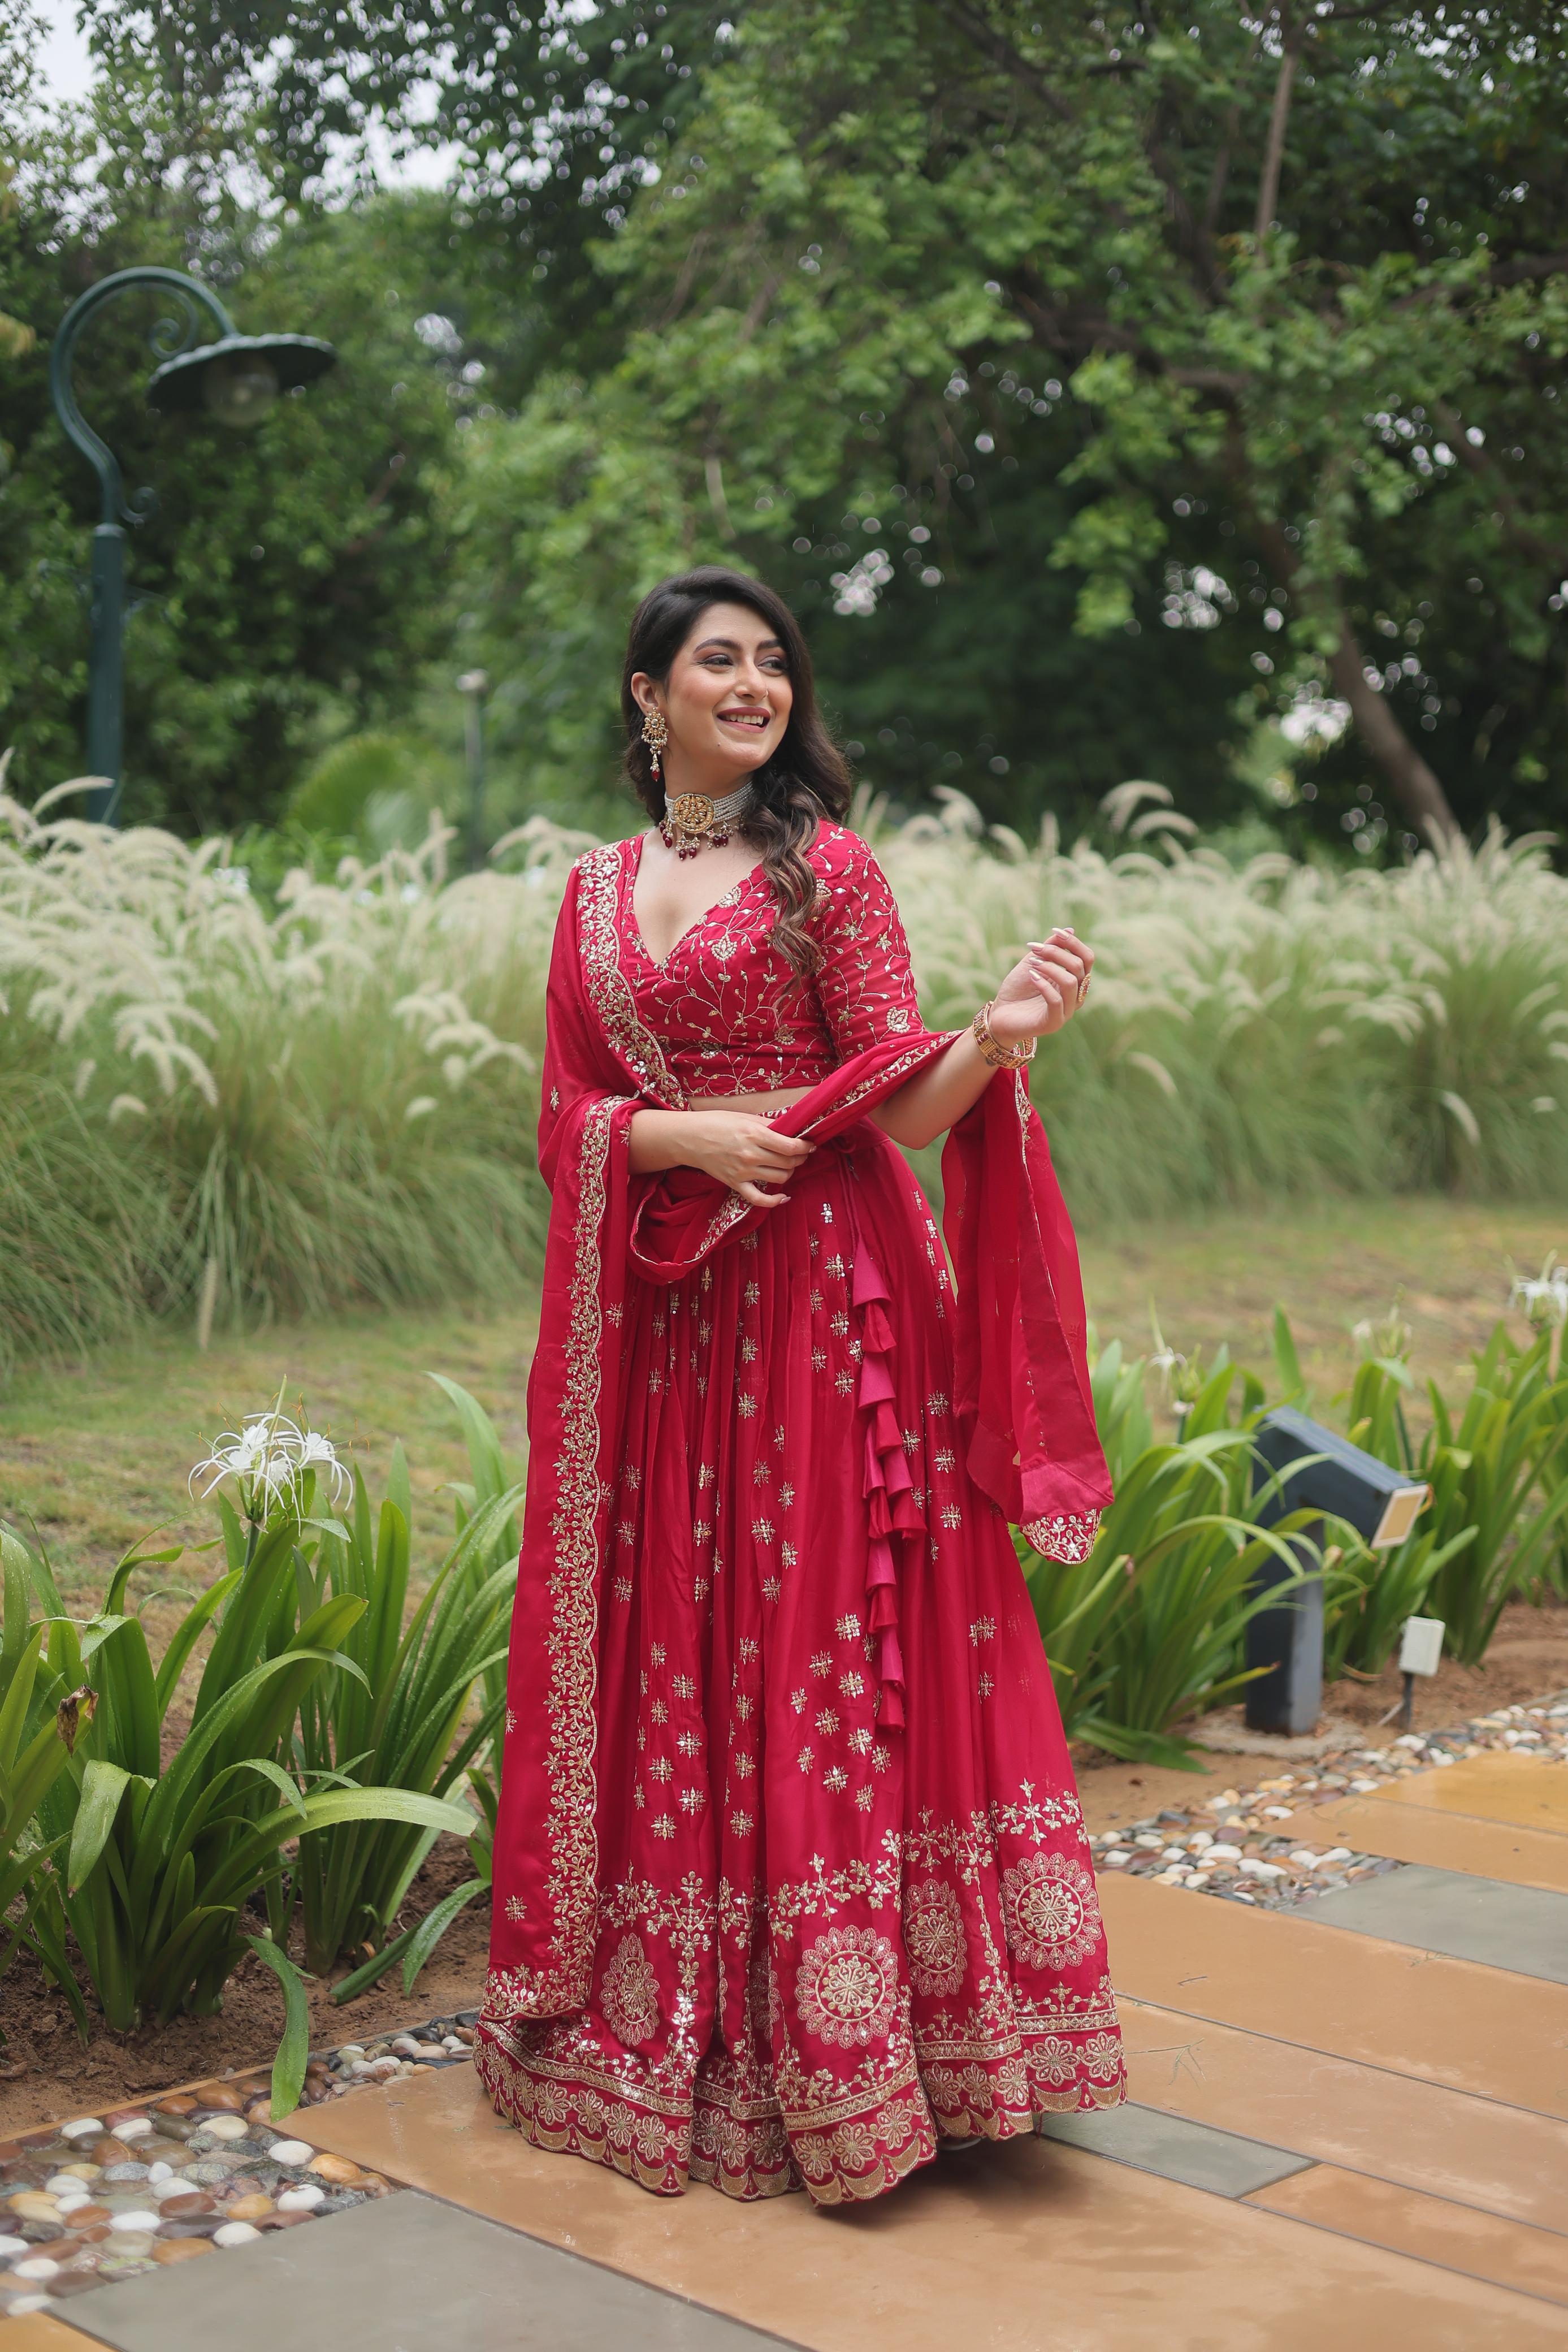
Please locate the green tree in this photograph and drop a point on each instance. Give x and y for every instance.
(1279, 303)
(1106, 386)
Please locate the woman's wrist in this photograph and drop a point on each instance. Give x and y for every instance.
(1002, 1036)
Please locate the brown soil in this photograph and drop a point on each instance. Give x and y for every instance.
(1528, 1661)
(45, 2074)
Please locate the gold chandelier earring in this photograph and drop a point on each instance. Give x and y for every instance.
(656, 734)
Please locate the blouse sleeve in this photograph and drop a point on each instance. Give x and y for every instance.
(864, 982)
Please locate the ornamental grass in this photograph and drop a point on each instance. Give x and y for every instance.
(218, 1109)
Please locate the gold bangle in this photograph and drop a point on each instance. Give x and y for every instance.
(998, 1056)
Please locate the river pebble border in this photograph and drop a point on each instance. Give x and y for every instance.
(1254, 1845)
(179, 2177)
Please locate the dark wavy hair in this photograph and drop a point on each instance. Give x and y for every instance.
(805, 780)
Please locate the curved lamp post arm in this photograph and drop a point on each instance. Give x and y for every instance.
(172, 334)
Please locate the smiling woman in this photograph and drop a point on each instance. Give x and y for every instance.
(791, 1878)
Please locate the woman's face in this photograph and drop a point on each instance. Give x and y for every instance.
(726, 701)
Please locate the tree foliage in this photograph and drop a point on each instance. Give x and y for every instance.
(1106, 385)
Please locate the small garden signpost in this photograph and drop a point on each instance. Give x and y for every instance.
(236, 379)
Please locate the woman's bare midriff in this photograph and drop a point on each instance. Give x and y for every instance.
(760, 1105)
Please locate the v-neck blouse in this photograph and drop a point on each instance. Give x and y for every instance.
(731, 1011)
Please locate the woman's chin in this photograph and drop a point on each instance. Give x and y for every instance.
(745, 757)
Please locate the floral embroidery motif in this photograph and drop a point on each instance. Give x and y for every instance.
(629, 1995)
(933, 1937)
(1069, 1538)
(847, 1986)
(1051, 1911)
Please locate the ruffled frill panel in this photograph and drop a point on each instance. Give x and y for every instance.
(893, 1515)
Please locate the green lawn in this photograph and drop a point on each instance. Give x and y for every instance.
(98, 1452)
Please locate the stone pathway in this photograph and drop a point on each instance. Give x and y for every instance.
(1348, 2122)
(1257, 1846)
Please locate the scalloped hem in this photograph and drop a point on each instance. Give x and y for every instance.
(750, 2150)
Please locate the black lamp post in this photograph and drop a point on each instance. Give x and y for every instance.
(234, 380)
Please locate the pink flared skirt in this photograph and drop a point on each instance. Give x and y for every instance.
(846, 1905)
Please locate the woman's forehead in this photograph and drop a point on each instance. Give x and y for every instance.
(735, 625)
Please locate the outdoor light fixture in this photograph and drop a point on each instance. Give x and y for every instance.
(1382, 1505)
(1305, 1466)
(238, 378)
(234, 380)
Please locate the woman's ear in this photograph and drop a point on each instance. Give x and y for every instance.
(645, 691)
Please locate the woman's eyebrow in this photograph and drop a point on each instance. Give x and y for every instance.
(732, 646)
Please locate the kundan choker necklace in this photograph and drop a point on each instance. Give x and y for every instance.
(692, 820)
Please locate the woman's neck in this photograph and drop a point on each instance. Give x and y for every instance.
(680, 772)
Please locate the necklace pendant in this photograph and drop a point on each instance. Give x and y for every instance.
(692, 820)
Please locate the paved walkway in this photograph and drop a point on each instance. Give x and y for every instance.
(1349, 2126)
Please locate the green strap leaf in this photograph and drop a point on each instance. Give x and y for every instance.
(294, 2050)
(371, 1970)
(103, 1786)
(186, 1635)
(18, 1695)
(434, 1926)
(277, 1776)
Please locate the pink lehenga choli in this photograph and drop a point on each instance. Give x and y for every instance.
(791, 1878)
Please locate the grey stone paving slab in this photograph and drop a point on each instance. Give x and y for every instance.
(1177, 2149)
(1522, 1928)
(404, 2274)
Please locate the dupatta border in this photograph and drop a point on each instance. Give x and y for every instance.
(598, 887)
(571, 1833)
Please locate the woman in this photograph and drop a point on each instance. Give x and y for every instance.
(791, 1879)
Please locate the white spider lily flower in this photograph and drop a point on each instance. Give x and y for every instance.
(1543, 1296)
(270, 1455)
(318, 1454)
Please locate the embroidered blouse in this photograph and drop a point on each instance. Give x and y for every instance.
(732, 1014)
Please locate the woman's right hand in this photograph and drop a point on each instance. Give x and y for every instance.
(743, 1151)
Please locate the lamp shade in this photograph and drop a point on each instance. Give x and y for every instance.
(237, 378)
(1381, 1504)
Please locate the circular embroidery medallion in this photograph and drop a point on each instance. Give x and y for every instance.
(847, 1985)
(1051, 1911)
(933, 1937)
(629, 1994)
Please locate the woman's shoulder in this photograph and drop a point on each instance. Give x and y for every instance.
(605, 855)
(841, 858)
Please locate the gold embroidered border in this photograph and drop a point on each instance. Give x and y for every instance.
(598, 890)
(909, 1060)
(570, 1829)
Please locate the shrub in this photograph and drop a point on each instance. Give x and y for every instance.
(1499, 1474)
(163, 1861)
(1151, 1628)
(395, 1722)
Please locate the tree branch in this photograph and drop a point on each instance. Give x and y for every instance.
(1525, 266)
(1279, 116)
(1001, 52)
(1412, 783)
(1411, 780)
(1523, 535)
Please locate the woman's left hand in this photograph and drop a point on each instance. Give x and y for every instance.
(1043, 991)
